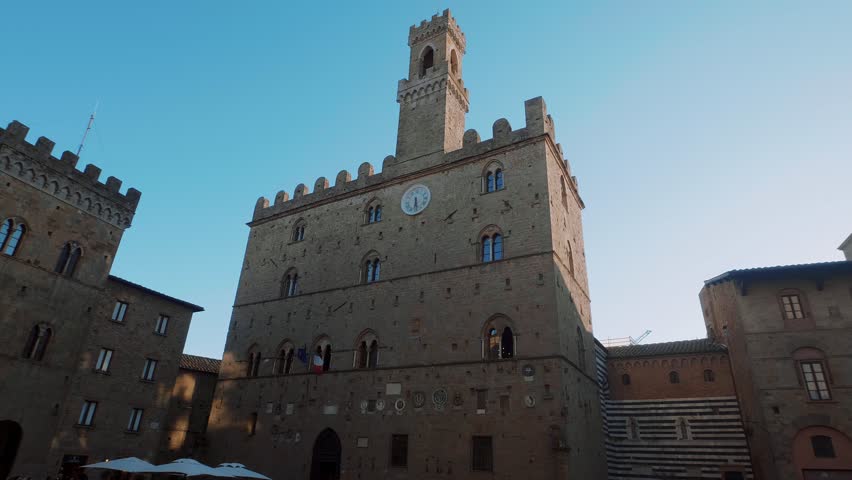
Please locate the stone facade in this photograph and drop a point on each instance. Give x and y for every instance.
(671, 412)
(789, 333)
(60, 231)
(436, 395)
(192, 398)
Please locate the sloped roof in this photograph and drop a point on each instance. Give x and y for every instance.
(194, 308)
(778, 270)
(199, 364)
(680, 347)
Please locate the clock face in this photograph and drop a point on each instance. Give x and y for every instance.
(415, 199)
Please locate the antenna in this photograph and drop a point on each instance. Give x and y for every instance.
(88, 127)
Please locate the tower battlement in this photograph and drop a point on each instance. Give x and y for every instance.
(437, 24)
(35, 164)
(538, 123)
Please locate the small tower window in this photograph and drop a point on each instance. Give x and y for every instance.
(427, 61)
(68, 259)
(374, 214)
(37, 343)
(709, 376)
(372, 270)
(625, 379)
(492, 248)
(290, 286)
(454, 63)
(299, 231)
(499, 340)
(493, 177)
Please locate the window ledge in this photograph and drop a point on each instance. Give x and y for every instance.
(132, 432)
(101, 372)
(145, 380)
(822, 402)
(160, 334)
(117, 322)
(84, 427)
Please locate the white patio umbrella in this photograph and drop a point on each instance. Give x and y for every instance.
(240, 470)
(129, 464)
(187, 467)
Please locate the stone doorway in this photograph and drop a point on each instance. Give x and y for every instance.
(326, 459)
(10, 440)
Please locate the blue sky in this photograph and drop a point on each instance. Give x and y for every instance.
(706, 136)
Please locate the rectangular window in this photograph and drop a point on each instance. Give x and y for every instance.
(399, 451)
(792, 307)
(162, 325)
(813, 373)
(148, 371)
(483, 455)
(481, 400)
(104, 359)
(135, 420)
(87, 413)
(119, 311)
(252, 425)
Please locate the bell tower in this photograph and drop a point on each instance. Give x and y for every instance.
(432, 100)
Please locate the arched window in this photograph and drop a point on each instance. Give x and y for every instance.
(674, 377)
(374, 213)
(367, 350)
(581, 349)
(10, 236)
(37, 342)
(69, 257)
(454, 62)
(709, 376)
(625, 379)
(321, 361)
(253, 366)
(290, 287)
(683, 429)
(427, 60)
(499, 339)
(493, 178)
(492, 245)
(284, 363)
(372, 268)
(299, 231)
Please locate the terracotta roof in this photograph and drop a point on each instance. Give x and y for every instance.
(680, 347)
(199, 364)
(191, 306)
(763, 272)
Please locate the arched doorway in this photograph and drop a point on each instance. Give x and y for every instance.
(10, 439)
(326, 460)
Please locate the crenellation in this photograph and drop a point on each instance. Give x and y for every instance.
(36, 165)
(44, 147)
(320, 184)
(300, 191)
(473, 145)
(69, 159)
(113, 184)
(365, 170)
(471, 137)
(281, 197)
(92, 172)
(343, 177)
(501, 131)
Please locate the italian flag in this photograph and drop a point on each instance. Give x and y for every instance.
(317, 364)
